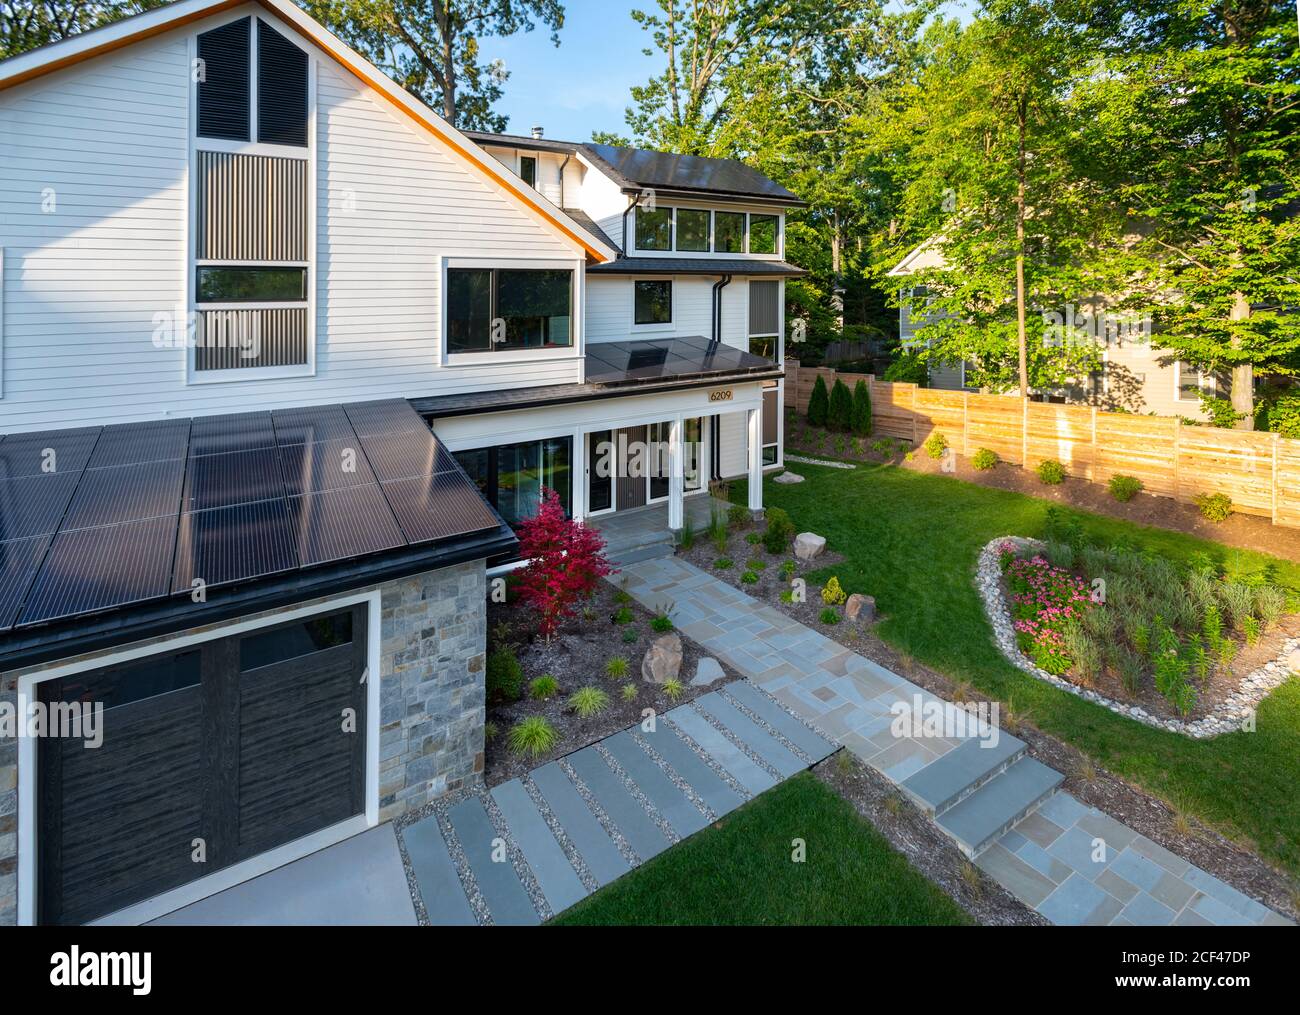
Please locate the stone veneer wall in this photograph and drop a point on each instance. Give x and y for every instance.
(433, 637)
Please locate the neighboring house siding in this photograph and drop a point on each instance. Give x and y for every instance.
(946, 377)
(84, 282)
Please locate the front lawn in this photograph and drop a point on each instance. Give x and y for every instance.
(912, 540)
(740, 872)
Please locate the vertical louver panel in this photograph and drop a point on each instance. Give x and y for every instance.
(281, 89)
(764, 308)
(244, 339)
(252, 208)
(223, 82)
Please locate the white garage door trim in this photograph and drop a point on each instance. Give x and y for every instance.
(160, 905)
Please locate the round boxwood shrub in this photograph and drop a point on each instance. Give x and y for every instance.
(505, 677)
(1051, 472)
(1214, 507)
(936, 444)
(984, 459)
(1124, 488)
(779, 532)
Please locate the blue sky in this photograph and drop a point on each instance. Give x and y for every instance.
(584, 84)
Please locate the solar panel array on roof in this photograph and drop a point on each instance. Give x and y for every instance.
(97, 518)
(616, 364)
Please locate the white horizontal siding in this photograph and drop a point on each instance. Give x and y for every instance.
(609, 310)
(84, 283)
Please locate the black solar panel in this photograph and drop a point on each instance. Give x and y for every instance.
(94, 569)
(46, 452)
(126, 493)
(327, 465)
(19, 559)
(393, 415)
(237, 477)
(133, 443)
(439, 507)
(34, 505)
(303, 426)
(245, 431)
(343, 523)
(406, 455)
(234, 544)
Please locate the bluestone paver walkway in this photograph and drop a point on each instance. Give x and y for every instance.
(1068, 861)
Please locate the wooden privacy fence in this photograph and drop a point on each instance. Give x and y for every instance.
(1259, 471)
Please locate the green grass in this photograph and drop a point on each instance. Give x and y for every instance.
(912, 540)
(740, 872)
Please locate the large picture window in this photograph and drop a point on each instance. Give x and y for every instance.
(692, 229)
(762, 234)
(729, 232)
(509, 309)
(512, 476)
(654, 229)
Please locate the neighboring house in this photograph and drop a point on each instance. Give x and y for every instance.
(1134, 376)
(284, 358)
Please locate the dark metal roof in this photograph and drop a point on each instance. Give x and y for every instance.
(102, 522)
(693, 266)
(589, 224)
(616, 369)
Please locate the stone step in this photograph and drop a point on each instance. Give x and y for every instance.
(779, 719)
(753, 736)
(440, 886)
(960, 772)
(710, 787)
(530, 833)
(585, 833)
(997, 805)
(684, 817)
(730, 757)
(622, 808)
(652, 551)
(504, 893)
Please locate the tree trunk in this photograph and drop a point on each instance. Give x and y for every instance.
(1243, 375)
(837, 245)
(1021, 341)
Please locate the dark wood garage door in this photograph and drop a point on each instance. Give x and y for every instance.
(210, 756)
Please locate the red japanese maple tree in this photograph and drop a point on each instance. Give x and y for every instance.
(565, 561)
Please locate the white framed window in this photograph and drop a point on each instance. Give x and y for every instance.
(250, 278)
(655, 229)
(654, 305)
(528, 170)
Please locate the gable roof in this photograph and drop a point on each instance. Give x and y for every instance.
(86, 45)
(636, 169)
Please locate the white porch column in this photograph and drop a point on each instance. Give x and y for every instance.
(578, 472)
(676, 474)
(754, 445)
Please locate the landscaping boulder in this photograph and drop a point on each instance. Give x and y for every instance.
(1293, 661)
(808, 545)
(860, 609)
(663, 660)
(788, 477)
(707, 670)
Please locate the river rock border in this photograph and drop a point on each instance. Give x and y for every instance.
(1227, 717)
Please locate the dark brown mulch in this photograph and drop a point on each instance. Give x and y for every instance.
(1181, 834)
(1249, 532)
(577, 658)
(926, 848)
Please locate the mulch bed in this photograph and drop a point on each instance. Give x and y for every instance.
(1249, 532)
(1183, 835)
(919, 839)
(576, 658)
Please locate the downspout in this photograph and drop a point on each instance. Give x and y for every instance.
(563, 166)
(626, 212)
(722, 283)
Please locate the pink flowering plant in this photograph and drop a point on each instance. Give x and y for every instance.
(1044, 601)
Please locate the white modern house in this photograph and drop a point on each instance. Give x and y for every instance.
(283, 358)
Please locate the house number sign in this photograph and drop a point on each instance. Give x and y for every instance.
(721, 395)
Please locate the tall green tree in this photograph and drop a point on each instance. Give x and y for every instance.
(26, 24)
(432, 47)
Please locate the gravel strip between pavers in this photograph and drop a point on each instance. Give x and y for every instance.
(457, 852)
(770, 730)
(660, 821)
(629, 854)
(676, 779)
(748, 751)
(576, 861)
(709, 760)
(417, 900)
(517, 860)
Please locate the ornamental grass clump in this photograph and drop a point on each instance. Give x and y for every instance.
(533, 736)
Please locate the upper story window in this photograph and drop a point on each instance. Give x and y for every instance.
(528, 170)
(729, 232)
(509, 309)
(693, 229)
(654, 229)
(762, 234)
(237, 104)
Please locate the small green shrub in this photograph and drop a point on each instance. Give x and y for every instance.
(860, 420)
(830, 616)
(588, 701)
(787, 596)
(788, 569)
(753, 538)
(840, 415)
(1251, 630)
(505, 677)
(630, 634)
(984, 459)
(662, 624)
(533, 736)
(623, 597)
(673, 689)
(543, 687)
(1051, 472)
(623, 615)
(819, 403)
(628, 692)
(616, 667)
(936, 444)
(1124, 488)
(749, 578)
(1214, 507)
(779, 532)
(883, 447)
(756, 564)
(737, 515)
(832, 594)
(723, 563)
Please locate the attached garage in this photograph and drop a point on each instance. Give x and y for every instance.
(210, 756)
